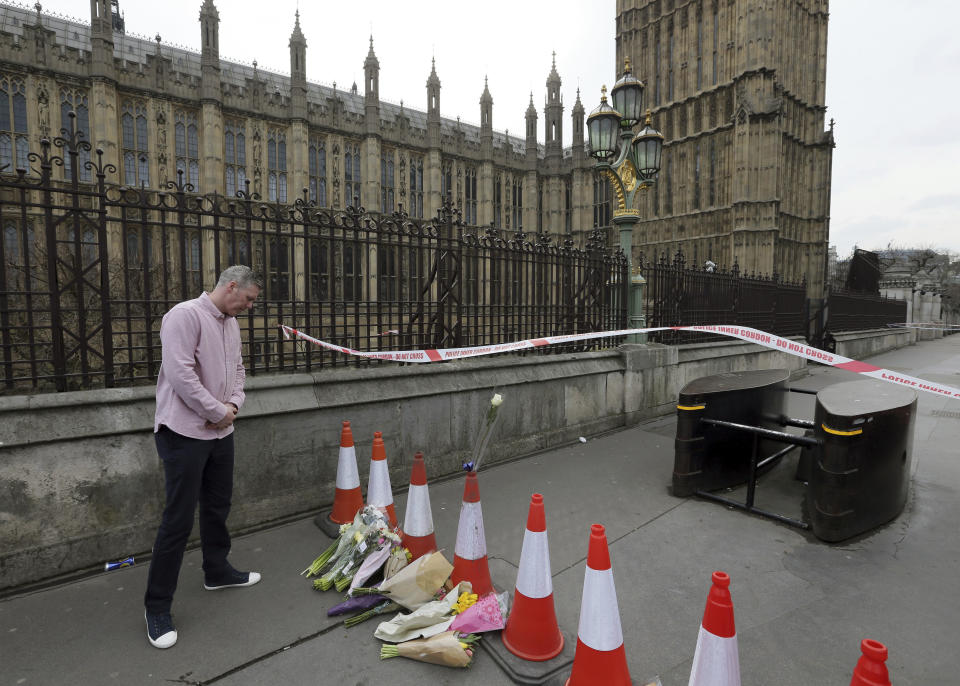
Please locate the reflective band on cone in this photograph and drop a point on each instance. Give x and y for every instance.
(470, 558)
(418, 536)
(716, 661)
(600, 656)
(871, 669)
(348, 500)
(379, 493)
(532, 632)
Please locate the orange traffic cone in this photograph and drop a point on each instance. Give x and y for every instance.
(470, 553)
(417, 534)
(716, 661)
(348, 500)
(600, 656)
(379, 493)
(532, 632)
(870, 669)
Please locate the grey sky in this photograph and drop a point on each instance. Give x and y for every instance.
(895, 168)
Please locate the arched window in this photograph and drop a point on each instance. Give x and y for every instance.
(187, 142)
(14, 144)
(72, 100)
(517, 209)
(416, 187)
(235, 156)
(601, 201)
(387, 188)
(277, 165)
(498, 201)
(136, 165)
(278, 269)
(470, 191)
(194, 279)
(318, 170)
(351, 175)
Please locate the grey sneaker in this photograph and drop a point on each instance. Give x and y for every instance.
(160, 629)
(231, 579)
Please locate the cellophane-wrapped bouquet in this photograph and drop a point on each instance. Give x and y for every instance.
(449, 649)
(368, 534)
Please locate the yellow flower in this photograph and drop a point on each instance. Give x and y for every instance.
(464, 601)
(358, 537)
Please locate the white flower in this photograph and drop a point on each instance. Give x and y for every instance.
(496, 400)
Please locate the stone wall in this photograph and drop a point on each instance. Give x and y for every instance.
(860, 344)
(81, 483)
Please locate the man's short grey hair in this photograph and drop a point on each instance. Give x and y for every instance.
(243, 275)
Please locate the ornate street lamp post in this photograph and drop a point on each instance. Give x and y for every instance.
(631, 161)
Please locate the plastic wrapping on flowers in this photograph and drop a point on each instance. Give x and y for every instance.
(368, 532)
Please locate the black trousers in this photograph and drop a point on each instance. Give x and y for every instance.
(196, 471)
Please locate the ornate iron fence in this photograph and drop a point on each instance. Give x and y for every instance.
(677, 295)
(87, 271)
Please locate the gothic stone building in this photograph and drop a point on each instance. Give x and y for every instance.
(737, 88)
(156, 110)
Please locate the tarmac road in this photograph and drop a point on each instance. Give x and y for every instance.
(802, 606)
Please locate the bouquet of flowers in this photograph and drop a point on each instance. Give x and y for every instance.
(416, 584)
(369, 533)
(486, 614)
(448, 649)
(429, 619)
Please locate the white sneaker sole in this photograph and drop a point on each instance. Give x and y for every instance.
(168, 640)
(253, 579)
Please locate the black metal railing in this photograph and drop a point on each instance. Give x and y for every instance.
(852, 311)
(87, 271)
(678, 295)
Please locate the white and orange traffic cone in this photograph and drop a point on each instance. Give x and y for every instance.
(532, 632)
(347, 500)
(470, 553)
(600, 657)
(417, 534)
(871, 669)
(716, 661)
(379, 493)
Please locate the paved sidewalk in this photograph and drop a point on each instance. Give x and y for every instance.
(801, 606)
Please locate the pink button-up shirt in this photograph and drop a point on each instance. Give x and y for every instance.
(201, 369)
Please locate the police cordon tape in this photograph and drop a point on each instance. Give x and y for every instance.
(744, 333)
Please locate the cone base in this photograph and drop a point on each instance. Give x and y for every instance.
(532, 632)
(419, 545)
(608, 667)
(346, 504)
(477, 572)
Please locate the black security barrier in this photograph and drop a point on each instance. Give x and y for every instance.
(712, 456)
(861, 479)
(855, 458)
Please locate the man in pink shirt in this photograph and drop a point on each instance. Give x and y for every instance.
(199, 394)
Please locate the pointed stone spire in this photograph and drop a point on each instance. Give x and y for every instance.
(554, 77)
(578, 112)
(531, 137)
(531, 108)
(298, 71)
(433, 79)
(486, 120)
(553, 113)
(371, 61)
(371, 91)
(297, 36)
